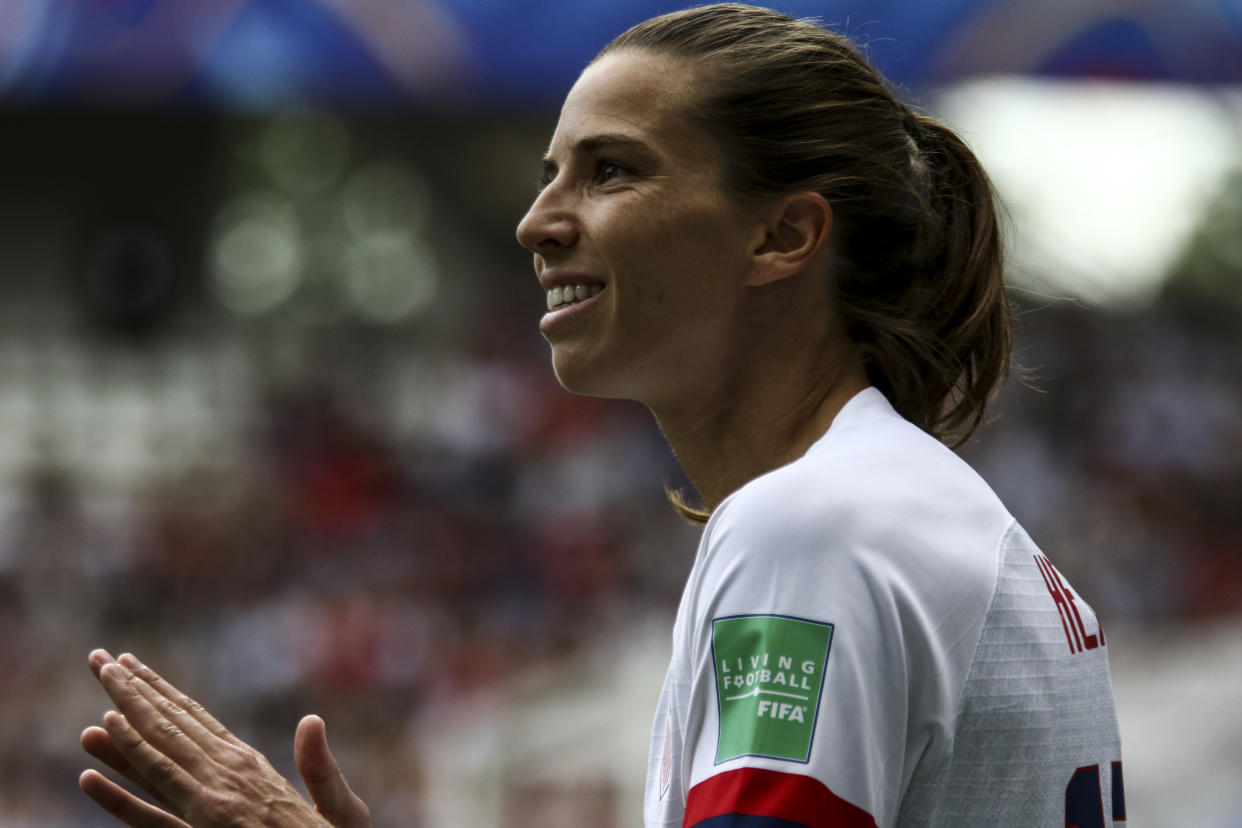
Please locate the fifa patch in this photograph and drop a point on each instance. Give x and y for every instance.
(769, 674)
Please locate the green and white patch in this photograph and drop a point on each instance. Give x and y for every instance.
(769, 674)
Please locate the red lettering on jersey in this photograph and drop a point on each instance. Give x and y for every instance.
(1071, 618)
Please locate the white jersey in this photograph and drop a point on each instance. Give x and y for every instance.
(868, 638)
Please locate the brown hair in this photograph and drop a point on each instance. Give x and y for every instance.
(919, 267)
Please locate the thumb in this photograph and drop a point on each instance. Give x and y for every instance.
(327, 787)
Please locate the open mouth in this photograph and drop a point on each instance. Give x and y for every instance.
(565, 295)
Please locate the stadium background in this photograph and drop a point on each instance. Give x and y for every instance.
(275, 416)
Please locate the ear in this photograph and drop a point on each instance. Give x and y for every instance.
(795, 229)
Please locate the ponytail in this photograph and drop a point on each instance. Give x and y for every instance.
(932, 319)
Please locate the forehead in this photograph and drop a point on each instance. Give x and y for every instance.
(632, 93)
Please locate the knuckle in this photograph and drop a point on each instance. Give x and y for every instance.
(253, 761)
(169, 730)
(128, 739)
(168, 706)
(245, 760)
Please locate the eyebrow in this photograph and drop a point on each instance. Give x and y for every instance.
(593, 143)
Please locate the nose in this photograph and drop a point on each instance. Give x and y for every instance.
(548, 225)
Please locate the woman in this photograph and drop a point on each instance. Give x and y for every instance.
(741, 227)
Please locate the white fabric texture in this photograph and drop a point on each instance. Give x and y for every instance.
(957, 690)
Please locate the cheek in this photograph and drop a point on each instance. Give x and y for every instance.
(691, 249)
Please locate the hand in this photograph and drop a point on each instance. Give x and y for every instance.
(201, 774)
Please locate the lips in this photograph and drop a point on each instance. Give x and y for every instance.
(569, 299)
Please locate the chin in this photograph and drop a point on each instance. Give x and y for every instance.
(578, 376)
(578, 382)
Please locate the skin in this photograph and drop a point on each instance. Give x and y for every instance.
(714, 314)
(201, 774)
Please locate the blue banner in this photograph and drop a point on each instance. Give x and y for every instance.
(257, 54)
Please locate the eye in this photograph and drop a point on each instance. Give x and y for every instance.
(606, 170)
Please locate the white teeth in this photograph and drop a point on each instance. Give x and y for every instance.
(569, 294)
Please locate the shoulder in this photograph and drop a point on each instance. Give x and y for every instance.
(886, 544)
(875, 505)
(872, 478)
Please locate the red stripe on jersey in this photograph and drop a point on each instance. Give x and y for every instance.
(788, 796)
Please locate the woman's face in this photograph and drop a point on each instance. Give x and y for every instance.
(642, 254)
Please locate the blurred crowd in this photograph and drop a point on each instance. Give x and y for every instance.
(1119, 445)
(320, 562)
(393, 530)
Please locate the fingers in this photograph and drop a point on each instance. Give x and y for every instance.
(324, 781)
(97, 742)
(172, 748)
(97, 659)
(160, 720)
(173, 753)
(100, 658)
(157, 767)
(192, 708)
(124, 805)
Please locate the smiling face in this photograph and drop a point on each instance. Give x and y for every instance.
(643, 255)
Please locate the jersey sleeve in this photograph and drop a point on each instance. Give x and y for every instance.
(824, 662)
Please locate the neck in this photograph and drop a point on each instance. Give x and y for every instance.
(754, 421)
